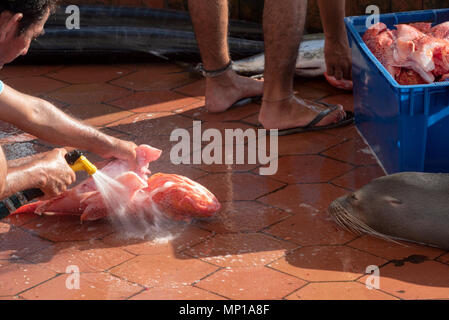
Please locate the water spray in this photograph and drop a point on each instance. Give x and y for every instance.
(75, 159)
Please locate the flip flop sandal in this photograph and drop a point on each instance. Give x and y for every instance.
(349, 119)
(245, 101)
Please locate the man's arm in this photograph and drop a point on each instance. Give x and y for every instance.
(47, 171)
(336, 48)
(41, 119)
(3, 171)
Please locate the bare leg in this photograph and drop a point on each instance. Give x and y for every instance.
(210, 21)
(283, 27)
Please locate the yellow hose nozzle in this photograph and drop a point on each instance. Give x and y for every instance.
(82, 164)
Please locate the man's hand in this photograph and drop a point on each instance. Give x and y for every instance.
(121, 149)
(55, 175)
(338, 58)
(336, 46)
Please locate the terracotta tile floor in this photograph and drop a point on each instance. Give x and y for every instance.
(272, 238)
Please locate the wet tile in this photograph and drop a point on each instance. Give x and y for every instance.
(145, 130)
(310, 228)
(92, 256)
(68, 228)
(346, 100)
(354, 151)
(92, 286)
(89, 93)
(16, 71)
(10, 298)
(8, 129)
(231, 133)
(234, 148)
(155, 101)
(293, 197)
(35, 85)
(8, 138)
(252, 119)
(347, 132)
(88, 73)
(97, 114)
(393, 250)
(137, 117)
(444, 258)
(232, 114)
(338, 291)
(304, 143)
(20, 219)
(320, 83)
(164, 270)
(415, 280)
(18, 150)
(19, 275)
(227, 168)
(309, 169)
(166, 166)
(150, 80)
(327, 263)
(245, 283)
(228, 187)
(116, 133)
(5, 226)
(16, 243)
(240, 250)
(180, 293)
(309, 92)
(195, 89)
(159, 241)
(243, 216)
(359, 177)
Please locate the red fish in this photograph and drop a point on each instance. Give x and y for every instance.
(414, 54)
(174, 196)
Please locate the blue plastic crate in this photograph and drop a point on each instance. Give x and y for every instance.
(406, 126)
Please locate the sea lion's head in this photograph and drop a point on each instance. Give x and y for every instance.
(359, 211)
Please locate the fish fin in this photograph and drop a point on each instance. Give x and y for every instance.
(146, 154)
(28, 208)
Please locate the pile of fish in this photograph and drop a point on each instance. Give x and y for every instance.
(176, 197)
(414, 53)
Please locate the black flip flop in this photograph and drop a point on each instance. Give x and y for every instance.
(349, 119)
(244, 102)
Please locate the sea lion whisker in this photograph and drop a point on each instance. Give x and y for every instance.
(354, 225)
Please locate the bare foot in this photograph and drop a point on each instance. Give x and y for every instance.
(295, 112)
(225, 90)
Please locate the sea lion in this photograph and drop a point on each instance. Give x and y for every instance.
(409, 206)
